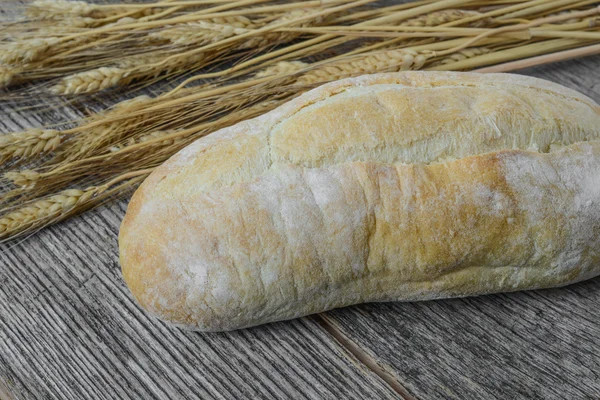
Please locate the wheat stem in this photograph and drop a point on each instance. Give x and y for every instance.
(523, 27)
(509, 54)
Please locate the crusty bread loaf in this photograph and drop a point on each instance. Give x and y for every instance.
(403, 186)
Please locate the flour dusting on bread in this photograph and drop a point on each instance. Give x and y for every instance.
(405, 186)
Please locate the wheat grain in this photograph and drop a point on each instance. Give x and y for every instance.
(24, 178)
(444, 16)
(385, 61)
(196, 33)
(28, 143)
(462, 55)
(90, 81)
(43, 211)
(282, 68)
(27, 50)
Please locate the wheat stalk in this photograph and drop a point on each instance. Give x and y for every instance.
(90, 81)
(237, 21)
(27, 50)
(46, 209)
(385, 61)
(462, 55)
(68, 10)
(567, 21)
(89, 139)
(59, 9)
(32, 142)
(441, 17)
(168, 141)
(282, 68)
(51, 209)
(272, 38)
(24, 178)
(125, 71)
(197, 33)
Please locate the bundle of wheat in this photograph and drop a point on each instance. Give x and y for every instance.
(249, 56)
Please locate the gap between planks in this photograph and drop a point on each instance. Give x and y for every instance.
(362, 356)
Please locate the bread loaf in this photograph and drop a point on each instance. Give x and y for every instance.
(392, 187)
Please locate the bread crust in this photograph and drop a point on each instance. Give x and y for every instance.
(324, 203)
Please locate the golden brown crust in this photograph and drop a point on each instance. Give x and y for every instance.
(300, 222)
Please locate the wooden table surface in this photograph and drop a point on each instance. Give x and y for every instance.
(69, 328)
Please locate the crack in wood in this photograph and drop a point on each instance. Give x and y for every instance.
(363, 356)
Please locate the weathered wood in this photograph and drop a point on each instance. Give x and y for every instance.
(529, 345)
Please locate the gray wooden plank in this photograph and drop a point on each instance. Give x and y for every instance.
(529, 345)
(69, 329)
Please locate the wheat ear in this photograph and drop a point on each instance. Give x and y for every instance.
(237, 21)
(441, 17)
(59, 9)
(27, 50)
(282, 68)
(24, 178)
(385, 61)
(197, 33)
(28, 144)
(90, 81)
(56, 10)
(462, 55)
(45, 209)
(39, 213)
(125, 71)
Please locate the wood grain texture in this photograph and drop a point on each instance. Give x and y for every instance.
(528, 345)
